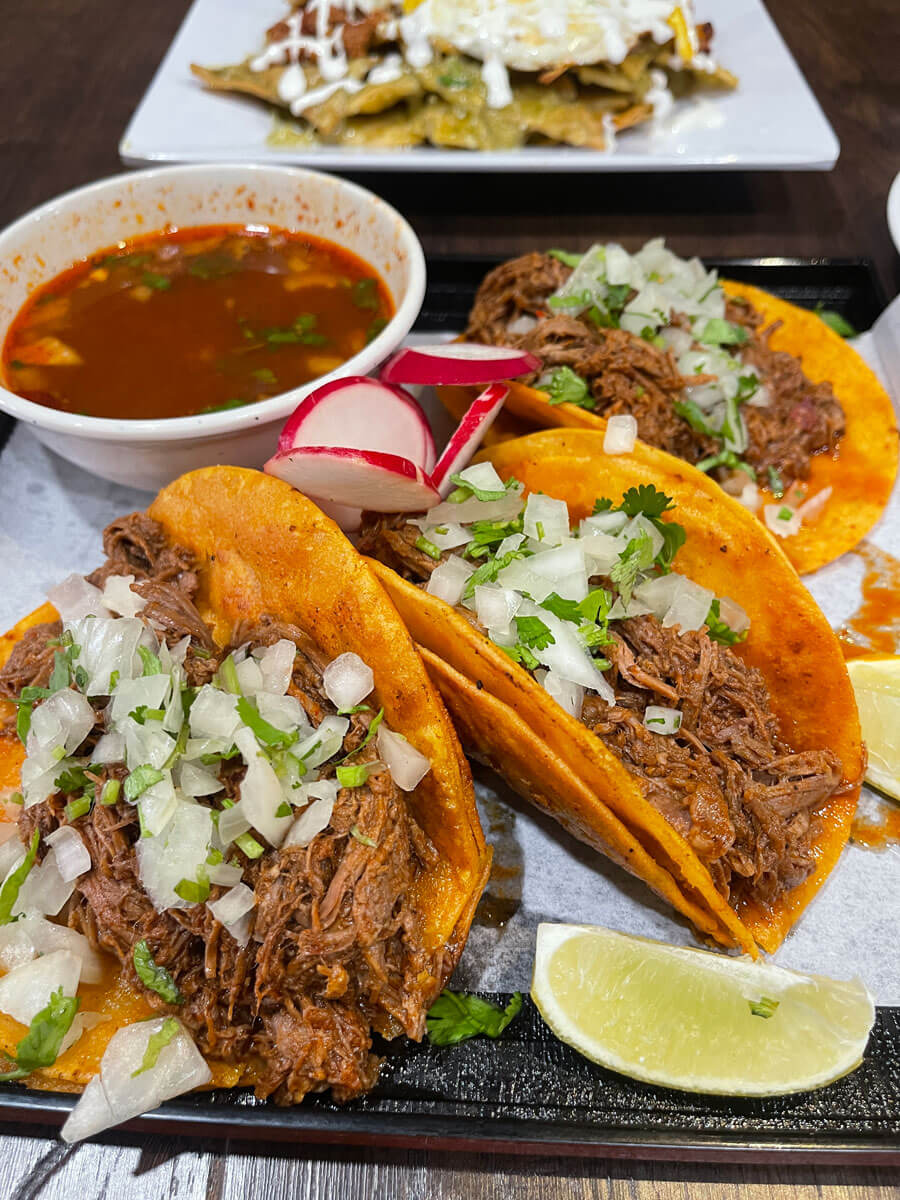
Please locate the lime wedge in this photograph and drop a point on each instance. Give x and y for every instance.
(693, 1020)
(876, 682)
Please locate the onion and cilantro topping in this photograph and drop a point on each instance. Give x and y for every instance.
(546, 593)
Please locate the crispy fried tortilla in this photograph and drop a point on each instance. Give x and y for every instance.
(253, 558)
(508, 719)
(406, 87)
(842, 435)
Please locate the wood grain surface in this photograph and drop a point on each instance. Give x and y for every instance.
(73, 72)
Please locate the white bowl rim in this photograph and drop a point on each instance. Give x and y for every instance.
(144, 430)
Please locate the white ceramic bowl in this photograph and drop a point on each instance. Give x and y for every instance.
(149, 453)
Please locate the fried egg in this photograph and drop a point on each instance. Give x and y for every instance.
(534, 35)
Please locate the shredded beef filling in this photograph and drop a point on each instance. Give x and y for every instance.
(726, 780)
(629, 375)
(336, 948)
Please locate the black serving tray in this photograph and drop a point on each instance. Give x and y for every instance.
(526, 1092)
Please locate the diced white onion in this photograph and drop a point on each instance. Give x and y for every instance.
(261, 794)
(641, 525)
(603, 522)
(146, 744)
(620, 611)
(519, 576)
(62, 720)
(312, 821)
(620, 435)
(323, 743)
(318, 789)
(749, 496)
(546, 519)
(108, 644)
(21, 940)
(44, 890)
(27, 989)
(659, 593)
(522, 324)
(565, 655)
(250, 676)
(224, 873)
(213, 714)
(785, 526)
(690, 607)
(448, 580)
(109, 749)
(513, 542)
(148, 690)
(476, 510)
(482, 476)
(277, 665)
(232, 823)
(347, 680)
(602, 550)
(232, 905)
(284, 712)
(179, 852)
(677, 340)
(567, 695)
(733, 615)
(662, 720)
(495, 607)
(123, 1091)
(812, 507)
(37, 780)
(157, 806)
(72, 856)
(119, 598)
(195, 781)
(75, 598)
(406, 765)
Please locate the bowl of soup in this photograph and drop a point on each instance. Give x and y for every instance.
(173, 318)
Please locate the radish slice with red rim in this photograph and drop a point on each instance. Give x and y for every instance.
(359, 413)
(365, 479)
(459, 363)
(468, 436)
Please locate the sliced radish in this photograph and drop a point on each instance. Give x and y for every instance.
(361, 414)
(366, 479)
(468, 436)
(461, 363)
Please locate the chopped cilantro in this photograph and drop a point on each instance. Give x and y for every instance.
(353, 775)
(719, 332)
(567, 259)
(212, 266)
(521, 654)
(785, 513)
(488, 572)
(140, 779)
(364, 293)
(456, 1016)
(265, 375)
(835, 321)
(153, 976)
(159, 283)
(263, 731)
(691, 412)
(427, 547)
(726, 458)
(194, 891)
(565, 386)
(376, 327)
(40, 1045)
(645, 499)
(9, 893)
(719, 631)
(533, 633)
(776, 485)
(637, 556)
(482, 494)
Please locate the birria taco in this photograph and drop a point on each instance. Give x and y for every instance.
(761, 395)
(577, 612)
(216, 820)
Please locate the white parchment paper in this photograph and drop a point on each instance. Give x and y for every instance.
(53, 514)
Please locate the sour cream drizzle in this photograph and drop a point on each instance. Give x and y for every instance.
(524, 35)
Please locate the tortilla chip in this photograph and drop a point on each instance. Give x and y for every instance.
(862, 473)
(790, 642)
(267, 550)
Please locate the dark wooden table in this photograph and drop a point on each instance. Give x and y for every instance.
(73, 72)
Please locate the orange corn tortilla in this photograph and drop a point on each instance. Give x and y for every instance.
(267, 550)
(790, 642)
(861, 473)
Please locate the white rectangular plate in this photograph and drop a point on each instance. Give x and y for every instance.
(771, 122)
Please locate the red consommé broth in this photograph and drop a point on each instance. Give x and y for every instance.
(193, 320)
